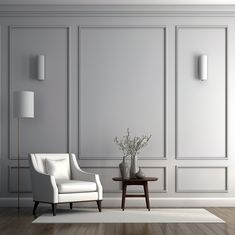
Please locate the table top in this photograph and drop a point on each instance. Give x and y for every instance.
(135, 179)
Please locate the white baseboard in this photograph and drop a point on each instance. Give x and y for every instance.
(138, 202)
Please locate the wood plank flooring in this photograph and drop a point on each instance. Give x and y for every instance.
(14, 223)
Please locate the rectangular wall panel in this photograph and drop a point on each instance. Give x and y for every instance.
(109, 186)
(121, 85)
(25, 179)
(201, 179)
(49, 130)
(201, 106)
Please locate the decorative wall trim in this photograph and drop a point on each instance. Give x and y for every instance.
(155, 202)
(92, 10)
(177, 190)
(177, 28)
(10, 176)
(165, 180)
(165, 147)
(68, 124)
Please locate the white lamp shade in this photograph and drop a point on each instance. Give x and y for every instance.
(23, 104)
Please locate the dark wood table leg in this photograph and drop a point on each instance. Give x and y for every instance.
(123, 195)
(146, 192)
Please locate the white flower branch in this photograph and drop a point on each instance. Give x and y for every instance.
(131, 146)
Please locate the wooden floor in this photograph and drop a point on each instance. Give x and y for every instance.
(14, 223)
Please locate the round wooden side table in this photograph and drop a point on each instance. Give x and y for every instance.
(135, 181)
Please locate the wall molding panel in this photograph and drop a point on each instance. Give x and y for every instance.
(10, 88)
(12, 179)
(164, 28)
(136, 188)
(204, 189)
(177, 29)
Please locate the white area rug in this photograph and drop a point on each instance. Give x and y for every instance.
(130, 216)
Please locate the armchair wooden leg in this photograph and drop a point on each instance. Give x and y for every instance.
(71, 205)
(99, 205)
(35, 207)
(53, 207)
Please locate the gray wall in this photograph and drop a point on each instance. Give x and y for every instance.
(106, 72)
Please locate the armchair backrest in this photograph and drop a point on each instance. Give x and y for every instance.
(38, 160)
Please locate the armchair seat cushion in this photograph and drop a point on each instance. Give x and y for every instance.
(75, 186)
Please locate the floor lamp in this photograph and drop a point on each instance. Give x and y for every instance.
(23, 107)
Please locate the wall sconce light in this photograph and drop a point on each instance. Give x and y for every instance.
(41, 67)
(202, 67)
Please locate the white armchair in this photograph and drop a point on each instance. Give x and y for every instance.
(57, 178)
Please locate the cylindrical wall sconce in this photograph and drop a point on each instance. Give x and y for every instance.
(202, 67)
(41, 67)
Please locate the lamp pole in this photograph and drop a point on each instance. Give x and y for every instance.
(18, 172)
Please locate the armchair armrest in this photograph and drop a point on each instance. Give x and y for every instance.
(79, 174)
(44, 186)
